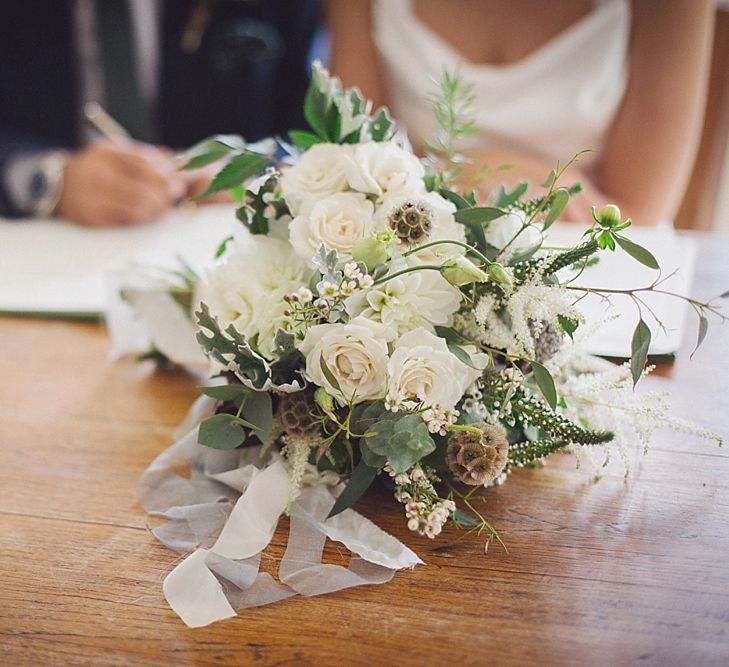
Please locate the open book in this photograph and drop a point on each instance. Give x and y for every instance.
(613, 321)
(55, 268)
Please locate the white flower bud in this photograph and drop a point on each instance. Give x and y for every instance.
(610, 216)
(458, 270)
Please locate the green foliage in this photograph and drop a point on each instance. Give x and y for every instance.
(545, 382)
(639, 350)
(253, 212)
(703, 330)
(402, 439)
(550, 265)
(303, 140)
(212, 149)
(569, 326)
(238, 170)
(529, 451)
(636, 251)
(220, 251)
(454, 110)
(257, 408)
(506, 198)
(230, 347)
(362, 477)
(222, 431)
(531, 412)
(226, 392)
(561, 198)
(381, 126)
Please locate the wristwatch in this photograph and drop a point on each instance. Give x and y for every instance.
(46, 183)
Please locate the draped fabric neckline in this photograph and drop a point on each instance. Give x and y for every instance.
(555, 101)
(573, 31)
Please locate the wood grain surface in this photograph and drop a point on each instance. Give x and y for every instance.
(609, 573)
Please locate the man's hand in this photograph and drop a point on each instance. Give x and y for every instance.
(105, 184)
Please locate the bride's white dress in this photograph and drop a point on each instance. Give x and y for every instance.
(558, 100)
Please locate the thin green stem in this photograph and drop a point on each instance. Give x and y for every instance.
(469, 248)
(410, 269)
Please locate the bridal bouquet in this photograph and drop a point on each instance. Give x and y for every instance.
(377, 324)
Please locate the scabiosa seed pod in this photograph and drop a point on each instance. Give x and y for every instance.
(295, 414)
(412, 221)
(477, 459)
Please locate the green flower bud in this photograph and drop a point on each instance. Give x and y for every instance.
(610, 216)
(458, 270)
(371, 250)
(324, 400)
(500, 275)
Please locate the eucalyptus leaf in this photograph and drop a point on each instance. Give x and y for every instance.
(462, 355)
(258, 411)
(639, 350)
(454, 198)
(477, 215)
(703, 329)
(361, 479)
(551, 178)
(403, 439)
(226, 392)
(448, 334)
(545, 382)
(371, 458)
(637, 252)
(560, 201)
(221, 431)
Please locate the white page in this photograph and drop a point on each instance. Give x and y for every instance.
(56, 267)
(618, 270)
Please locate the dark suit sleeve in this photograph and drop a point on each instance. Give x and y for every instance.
(37, 83)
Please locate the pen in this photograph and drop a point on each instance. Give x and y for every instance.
(105, 124)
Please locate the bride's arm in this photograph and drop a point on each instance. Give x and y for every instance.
(353, 57)
(648, 157)
(646, 161)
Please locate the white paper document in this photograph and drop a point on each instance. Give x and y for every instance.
(618, 270)
(53, 267)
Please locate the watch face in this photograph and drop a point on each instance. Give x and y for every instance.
(38, 185)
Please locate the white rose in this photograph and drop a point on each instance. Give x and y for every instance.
(319, 172)
(444, 225)
(423, 371)
(239, 289)
(386, 170)
(417, 299)
(500, 231)
(356, 355)
(337, 221)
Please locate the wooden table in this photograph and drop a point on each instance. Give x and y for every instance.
(606, 573)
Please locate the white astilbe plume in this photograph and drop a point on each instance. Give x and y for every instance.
(539, 303)
(531, 304)
(296, 451)
(602, 392)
